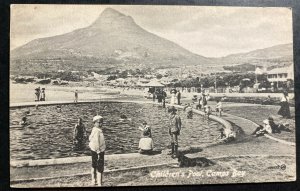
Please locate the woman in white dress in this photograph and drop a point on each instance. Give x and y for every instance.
(173, 97)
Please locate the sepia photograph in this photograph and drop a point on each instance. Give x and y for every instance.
(150, 95)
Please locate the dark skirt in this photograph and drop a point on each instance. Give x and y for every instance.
(284, 110)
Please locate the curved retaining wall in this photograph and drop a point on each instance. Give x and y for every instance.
(220, 120)
(70, 160)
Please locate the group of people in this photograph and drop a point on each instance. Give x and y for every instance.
(175, 97)
(269, 127)
(201, 103)
(97, 141)
(40, 94)
(96, 144)
(146, 145)
(161, 96)
(146, 142)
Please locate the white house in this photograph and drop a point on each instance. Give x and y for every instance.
(279, 77)
(281, 74)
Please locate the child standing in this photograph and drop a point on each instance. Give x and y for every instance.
(76, 96)
(207, 111)
(219, 108)
(43, 95)
(97, 146)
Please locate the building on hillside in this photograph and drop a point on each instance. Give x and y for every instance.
(281, 76)
(165, 80)
(149, 76)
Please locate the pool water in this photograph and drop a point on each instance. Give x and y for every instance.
(50, 132)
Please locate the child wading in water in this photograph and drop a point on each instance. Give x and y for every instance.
(189, 111)
(97, 146)
(79, 135)
(207, 111)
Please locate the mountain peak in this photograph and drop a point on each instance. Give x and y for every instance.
(110, 12)
(110, 16)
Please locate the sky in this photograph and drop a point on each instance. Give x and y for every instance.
(207, 31)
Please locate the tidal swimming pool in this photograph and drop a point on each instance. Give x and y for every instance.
(50, 132)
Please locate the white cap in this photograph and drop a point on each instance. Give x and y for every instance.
(97, 117)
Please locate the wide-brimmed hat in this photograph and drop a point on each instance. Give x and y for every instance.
(97, 117)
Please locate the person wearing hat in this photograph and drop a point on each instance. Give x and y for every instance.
(97, 146)
(174, 130)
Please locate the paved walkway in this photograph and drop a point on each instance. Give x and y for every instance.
(248, 144)
(247, 126)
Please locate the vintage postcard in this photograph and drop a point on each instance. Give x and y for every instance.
(119, 95)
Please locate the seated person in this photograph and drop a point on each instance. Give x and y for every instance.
(146, 145)
(268, 101)
(146, 142)
(226, 134)
(263, 129)
(277, 128)
(222, 135)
